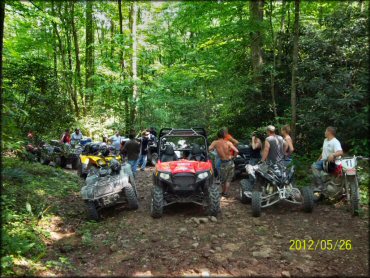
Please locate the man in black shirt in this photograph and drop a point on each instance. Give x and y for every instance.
(132, 149)
(143, 150)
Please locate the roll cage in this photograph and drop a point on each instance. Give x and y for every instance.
(194, 132)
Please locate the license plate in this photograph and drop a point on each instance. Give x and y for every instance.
(351, 172)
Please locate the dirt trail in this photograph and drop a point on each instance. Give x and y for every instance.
(132, 243)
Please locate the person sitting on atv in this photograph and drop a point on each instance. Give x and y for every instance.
(275, 146)
(331, 150)
(223, 148)
(66, 137)
(256, 145)
(76, 136)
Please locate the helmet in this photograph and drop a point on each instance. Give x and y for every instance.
(104, 150)
(115, 165)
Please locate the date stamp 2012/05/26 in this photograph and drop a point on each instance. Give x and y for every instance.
(320, 244)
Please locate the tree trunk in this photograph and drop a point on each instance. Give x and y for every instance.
(294, 69)
(122, 64)
(89, 60)
(62, 53)
(2, 16)
(78, 78)
(282, 27)
(71, 84)
(135, 95)
(256, 18)
(272, 72)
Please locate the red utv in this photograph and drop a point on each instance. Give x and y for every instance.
(184, 172)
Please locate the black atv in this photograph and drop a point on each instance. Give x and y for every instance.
(61, 154)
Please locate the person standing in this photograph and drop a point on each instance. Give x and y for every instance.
(256, 145)
(116, 140)
(227, 137)
(132, 149)
(76, 136)
(275, 146)
(66, 137)
(143, 150)
(223, 148)
(285, 132)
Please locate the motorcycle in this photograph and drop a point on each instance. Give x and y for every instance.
(340, 182)
(270, 183)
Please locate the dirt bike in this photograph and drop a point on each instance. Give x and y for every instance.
(270, 183)
(343, 184)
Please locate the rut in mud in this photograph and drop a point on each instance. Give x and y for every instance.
(132, 243)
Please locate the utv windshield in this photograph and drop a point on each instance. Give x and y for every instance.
(173, 148)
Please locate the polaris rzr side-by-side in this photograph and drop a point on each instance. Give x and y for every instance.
(269, 183)
(108, 184)
(184, 172)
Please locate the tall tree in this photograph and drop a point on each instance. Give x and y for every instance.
(293, 92)
(256, 19)
(2, 16)
(273, 69)
(135, 92)
(78, 77)
(89, 60)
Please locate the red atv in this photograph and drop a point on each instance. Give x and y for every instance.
(184, 172)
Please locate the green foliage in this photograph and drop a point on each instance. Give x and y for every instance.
(29, 191)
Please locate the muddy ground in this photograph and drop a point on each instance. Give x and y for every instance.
(132, 243)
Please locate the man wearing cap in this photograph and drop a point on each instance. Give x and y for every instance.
(76, 136)
(143, 150)
(275, 146)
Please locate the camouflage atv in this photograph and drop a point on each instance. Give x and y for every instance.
(108, 185)
(61, 154)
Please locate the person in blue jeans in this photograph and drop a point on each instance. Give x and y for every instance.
(331, 150)
(132, 149)
(143, 150)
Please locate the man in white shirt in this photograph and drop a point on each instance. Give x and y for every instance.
(331, 149)
(116, 140)
(76, 136)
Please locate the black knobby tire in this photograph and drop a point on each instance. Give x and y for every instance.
(76, 163)
(131, 198)
(256, 203)
(133, 184)
(156, 207)
(354, 195)
(213, 200)
(245, 185)
(79, 171)
(308, 199)
(93, 212)
(154, 158)
(44, 161)
(63, 162)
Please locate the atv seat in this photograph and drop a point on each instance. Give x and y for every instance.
(196, 153)
(168, 154)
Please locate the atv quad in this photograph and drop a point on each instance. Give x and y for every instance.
(61, 154)
(90, 155)
(184, 172)
(107, 185)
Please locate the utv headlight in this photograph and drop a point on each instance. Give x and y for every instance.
(203, 175)
(165, 176)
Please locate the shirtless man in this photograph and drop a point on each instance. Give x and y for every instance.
(223, 148)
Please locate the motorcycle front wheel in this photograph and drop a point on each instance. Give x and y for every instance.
(354, 202)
